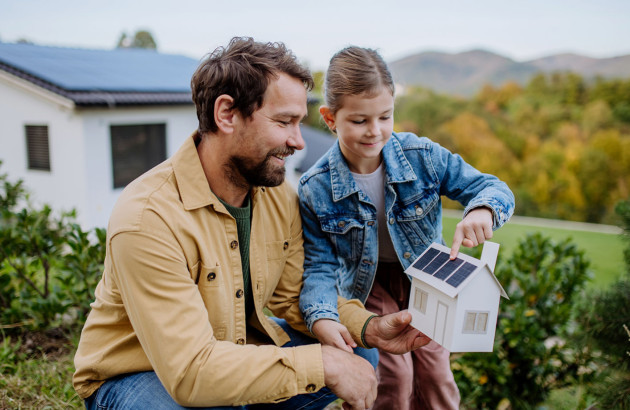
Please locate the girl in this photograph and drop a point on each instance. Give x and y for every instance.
(370, 206)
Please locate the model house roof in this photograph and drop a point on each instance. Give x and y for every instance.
(102, 77)
(435, 268)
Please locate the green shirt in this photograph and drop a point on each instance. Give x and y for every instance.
(243, 217)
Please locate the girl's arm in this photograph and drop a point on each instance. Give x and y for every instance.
(318, 298)
(462, 182)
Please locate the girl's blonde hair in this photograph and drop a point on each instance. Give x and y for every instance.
(353, 71)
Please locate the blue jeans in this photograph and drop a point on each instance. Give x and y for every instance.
(145, 391)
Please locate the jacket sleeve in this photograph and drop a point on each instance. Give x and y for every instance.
(170, 320)
(315, 291)
(462, 182)
(284, 302)
(318, 299)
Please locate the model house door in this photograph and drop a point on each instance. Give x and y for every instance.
(440, 322)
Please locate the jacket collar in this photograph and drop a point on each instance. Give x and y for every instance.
(397, 169)
(191, 180)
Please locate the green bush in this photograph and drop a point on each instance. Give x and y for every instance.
(604, 321)
(533, 350)
(48, 265)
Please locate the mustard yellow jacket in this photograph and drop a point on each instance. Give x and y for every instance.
(171, 296)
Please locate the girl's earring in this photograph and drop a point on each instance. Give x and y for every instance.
(334, 130)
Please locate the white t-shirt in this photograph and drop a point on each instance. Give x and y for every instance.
(374, 186)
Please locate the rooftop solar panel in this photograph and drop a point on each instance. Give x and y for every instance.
(104, 70)
(426, 258)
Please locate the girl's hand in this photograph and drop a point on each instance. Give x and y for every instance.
(332, 333)
(473, 230)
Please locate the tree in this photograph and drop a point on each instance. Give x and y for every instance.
(142, 39)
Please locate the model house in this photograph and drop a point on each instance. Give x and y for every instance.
(456, 302)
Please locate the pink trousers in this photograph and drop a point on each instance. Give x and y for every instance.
(421, 379)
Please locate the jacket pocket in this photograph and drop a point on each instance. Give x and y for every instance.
(418, 219)
(346, 234)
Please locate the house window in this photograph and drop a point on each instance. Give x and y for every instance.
(135, 150)
(420, 300)
(37, 149)
(476, 322)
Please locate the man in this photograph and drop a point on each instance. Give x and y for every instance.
(199, 245)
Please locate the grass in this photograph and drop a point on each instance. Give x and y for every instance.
(604, 250)
(36, 372)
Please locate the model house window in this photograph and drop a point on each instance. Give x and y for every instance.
(135, 150)
(476, 322)
(37, 149)
(420, 300)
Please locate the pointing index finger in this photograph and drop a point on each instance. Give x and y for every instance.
(457, 241)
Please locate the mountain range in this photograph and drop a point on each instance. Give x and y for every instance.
(466, 72)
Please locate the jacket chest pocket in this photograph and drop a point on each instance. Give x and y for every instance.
(212, 288)
(418, 219)
(346, 235)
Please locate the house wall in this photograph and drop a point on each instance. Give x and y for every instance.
(180, 122)
(22, 104)
(81, 175)
(427, 323)
(480, 294)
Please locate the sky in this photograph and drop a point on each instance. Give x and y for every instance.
(315, 30)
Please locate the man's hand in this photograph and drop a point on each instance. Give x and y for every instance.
(350, 377)
(333, 333)
(394, 334)
(472, 230)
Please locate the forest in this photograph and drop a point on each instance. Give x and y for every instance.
(560, 142)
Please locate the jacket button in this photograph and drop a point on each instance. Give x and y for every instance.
(240, 341)
(391, 221)
(212, 276)
(239, 293)
(234, 244)
(406, 255)
(341, 224)
(370, 223)
(419, 210)
(310, 388)
(286, 245)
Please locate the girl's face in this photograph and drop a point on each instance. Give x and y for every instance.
(364, 125)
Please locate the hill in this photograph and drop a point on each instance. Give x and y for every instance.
(466, 72)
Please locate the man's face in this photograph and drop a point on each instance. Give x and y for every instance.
(271, 134)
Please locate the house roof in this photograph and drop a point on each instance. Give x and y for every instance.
(102, 77)
(435, 268)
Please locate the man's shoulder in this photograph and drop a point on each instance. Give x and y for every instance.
(156, 186)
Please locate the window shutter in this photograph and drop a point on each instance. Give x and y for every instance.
(37, 147)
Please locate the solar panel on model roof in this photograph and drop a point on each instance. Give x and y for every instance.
(436, 263)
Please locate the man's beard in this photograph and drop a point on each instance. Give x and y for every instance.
(259, 174)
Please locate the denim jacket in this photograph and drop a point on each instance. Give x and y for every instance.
(340, 222)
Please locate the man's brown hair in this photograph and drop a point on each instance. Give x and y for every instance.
(241, 70)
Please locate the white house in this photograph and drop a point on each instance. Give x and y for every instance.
(456, 302)
(77, 125)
